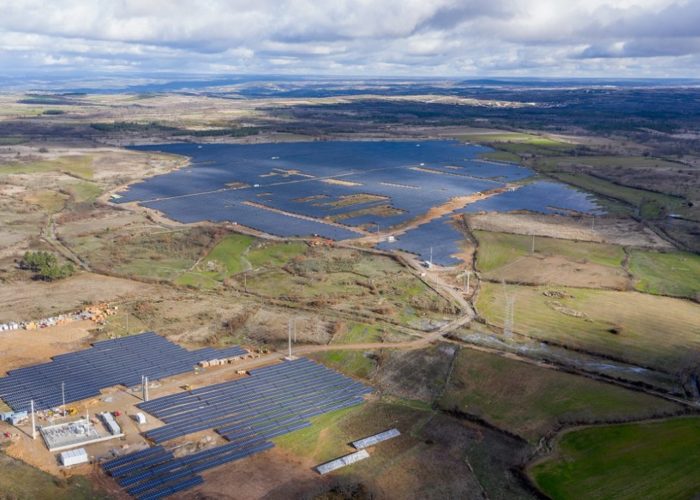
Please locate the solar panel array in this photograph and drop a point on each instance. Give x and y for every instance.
(107, 363)
(540, 196)
(439, 234)
(410, 178)
(273, 401)
(155, 473)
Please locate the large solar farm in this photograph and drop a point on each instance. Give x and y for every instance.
(247, 411)
(350, 189)
(207, 295)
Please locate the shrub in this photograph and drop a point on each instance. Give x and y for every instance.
(45, 265)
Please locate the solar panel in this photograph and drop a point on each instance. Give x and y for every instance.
(107, 363)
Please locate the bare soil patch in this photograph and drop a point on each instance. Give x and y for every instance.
(29, 300)
(24, 347)
(555, 269)
(416, 374)
(617, 231)
(266, 475)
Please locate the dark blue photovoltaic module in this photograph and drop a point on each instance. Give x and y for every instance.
(82, 374)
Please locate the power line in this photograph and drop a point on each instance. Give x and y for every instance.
(509, 317)
(509, 313)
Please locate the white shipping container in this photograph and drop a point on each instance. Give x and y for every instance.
(74, 457)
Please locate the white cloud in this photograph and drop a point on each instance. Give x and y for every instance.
(401, 37)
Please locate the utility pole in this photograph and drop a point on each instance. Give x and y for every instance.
(127, 322)
(145, 388)
(289, 340)
(33, 421)
(431, 257)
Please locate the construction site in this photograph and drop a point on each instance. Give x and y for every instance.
(126, 404)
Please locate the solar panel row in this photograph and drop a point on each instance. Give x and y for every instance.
(156, 477)
(174, 488)
(280, 393)
(132, 457)
(82, 374)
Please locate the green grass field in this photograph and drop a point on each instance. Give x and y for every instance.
(78, 166)
(666, 273)
(20, 481)
(435, 457)
(353, 363)
(513, 137)
(500, 156)
(650, 205)
(276, 254)
(237, 253)
(510, 145)
(500, 249)
(49, 201)
(532, 401)
(610, 162)
(631, 461)
(647, 330)
(83, 191)
(323, 440)
(357, 333)
(147, 266)
(228, 253)
(161, 255)
(352, 281)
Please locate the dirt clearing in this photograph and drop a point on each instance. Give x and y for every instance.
(555, 269)
(24, 347)
(29, 300)
(616, 231)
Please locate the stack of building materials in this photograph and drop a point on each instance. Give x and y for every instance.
(361, 444)
(97, 313)
(342, 462)
(225, 356)
(111, 424)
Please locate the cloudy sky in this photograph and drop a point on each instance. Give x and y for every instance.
(635, 38)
